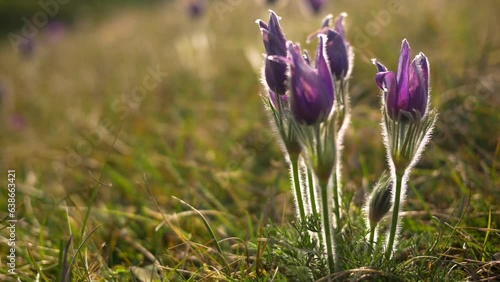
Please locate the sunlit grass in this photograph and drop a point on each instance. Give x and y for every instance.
(202, 136)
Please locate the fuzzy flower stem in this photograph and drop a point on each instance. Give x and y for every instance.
(341, 125)
(372, 236)
(312, 200)
(310, 182)
(395, 216)
(336, 200)
(296, 183)
(327, 225)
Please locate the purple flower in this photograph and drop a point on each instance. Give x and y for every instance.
(316, 5)
(312, 91)
(275, 44)
(337, 47)
(407, 92)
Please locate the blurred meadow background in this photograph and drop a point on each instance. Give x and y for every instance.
(113, 114)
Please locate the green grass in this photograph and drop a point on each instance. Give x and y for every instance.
(202, 136)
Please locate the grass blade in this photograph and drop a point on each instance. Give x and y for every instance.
(212, 234)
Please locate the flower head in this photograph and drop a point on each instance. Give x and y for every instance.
(312, 91)
(275, 44)
(405, 93)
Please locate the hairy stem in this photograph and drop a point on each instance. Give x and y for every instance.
(296, 183)
(328, 238)
(312, 197)
(336, 200)
(395, 216)
(372, 237)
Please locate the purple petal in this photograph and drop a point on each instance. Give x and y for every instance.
(274, 28)
(262, 24)
(326, 21)
(402, 75)
(324, 69)
(275, 74)
(337, 54)
(306, 57)
(380, 67)
(424, 66)
(293, 54)
(339, 24)
(380, 79)
(388, 80)
(272, 36)
(272, 43)
(274, 99)
(418, 85)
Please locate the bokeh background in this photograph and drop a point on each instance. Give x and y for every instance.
(111, 104)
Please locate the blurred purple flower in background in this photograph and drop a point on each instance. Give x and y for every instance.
(195, 8)
(54, 31)
(17, 122)
(312, 91)
(316, 5)
(275, 44)
(407, 92)
(27, 48)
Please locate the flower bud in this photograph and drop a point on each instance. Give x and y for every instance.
(379, 202)
(275, 44)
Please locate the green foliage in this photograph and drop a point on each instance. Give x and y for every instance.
(295, 250)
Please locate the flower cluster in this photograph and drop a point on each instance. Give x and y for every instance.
(308, 101)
